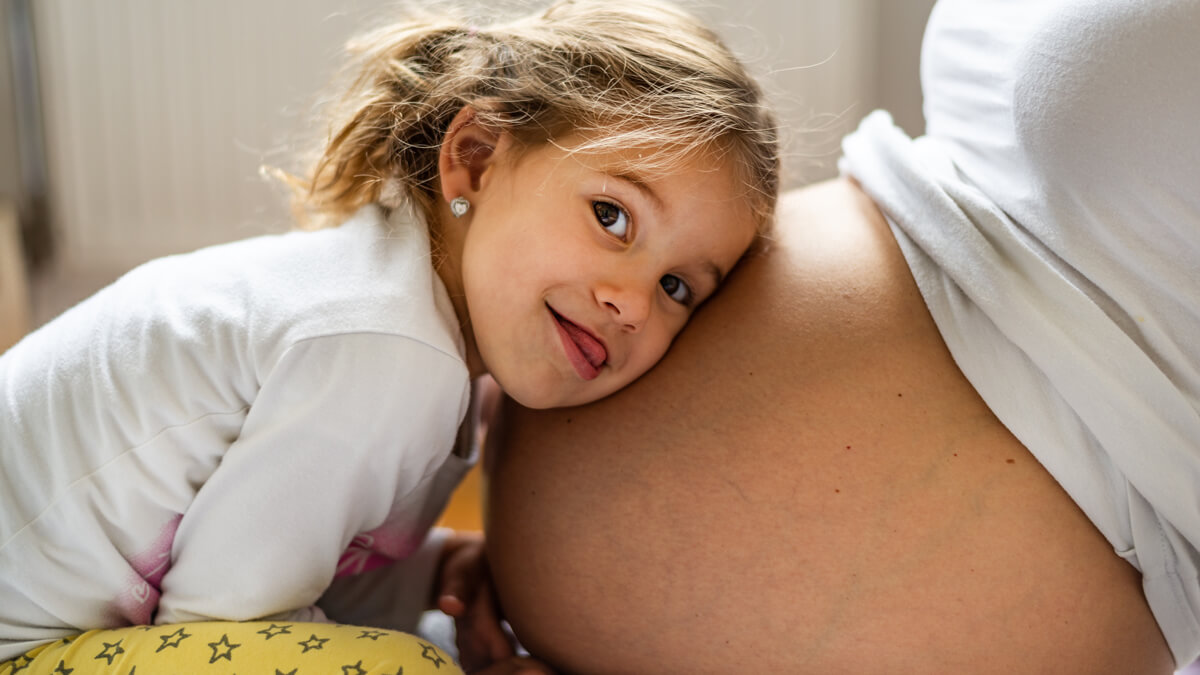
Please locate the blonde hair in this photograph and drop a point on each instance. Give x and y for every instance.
(623, 73)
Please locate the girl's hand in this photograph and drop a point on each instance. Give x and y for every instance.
(464, 592)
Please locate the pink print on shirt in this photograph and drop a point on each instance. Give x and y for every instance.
(140, 599)
(382, 546)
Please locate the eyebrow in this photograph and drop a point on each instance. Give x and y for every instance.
(642, 186)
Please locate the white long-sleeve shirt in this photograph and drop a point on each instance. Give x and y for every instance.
(219, 434)
(1051, 218)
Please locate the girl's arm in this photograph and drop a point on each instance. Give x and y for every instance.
(340, 438)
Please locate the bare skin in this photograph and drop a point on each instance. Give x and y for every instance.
(806, 484)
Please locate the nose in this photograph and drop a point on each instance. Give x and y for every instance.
(628, 303)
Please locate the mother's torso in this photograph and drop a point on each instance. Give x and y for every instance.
(807, 483)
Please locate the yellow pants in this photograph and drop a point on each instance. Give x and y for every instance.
(226, 648)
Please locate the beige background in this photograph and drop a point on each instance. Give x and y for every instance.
(157, 115)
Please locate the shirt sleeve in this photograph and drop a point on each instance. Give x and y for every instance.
(342, 427)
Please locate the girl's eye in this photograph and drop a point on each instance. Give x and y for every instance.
(612, 218)
(677, 289)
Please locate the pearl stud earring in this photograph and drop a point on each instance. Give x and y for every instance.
(459, 206)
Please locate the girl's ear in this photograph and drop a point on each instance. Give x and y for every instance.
(468, 150)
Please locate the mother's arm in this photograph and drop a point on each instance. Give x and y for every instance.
(806, 483)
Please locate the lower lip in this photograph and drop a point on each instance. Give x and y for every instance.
(582, 366)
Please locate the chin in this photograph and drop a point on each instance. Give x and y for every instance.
(534, 395)
(531, 395)
(534, 400)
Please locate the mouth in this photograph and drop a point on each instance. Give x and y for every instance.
(584, 351)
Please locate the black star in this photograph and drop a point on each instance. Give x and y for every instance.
(313, 642)
(430, 653)
(178, 636)
(354, 669)
(116, 649)
(62, 669)
(274, 630)
(223, 642)
(370, 635)
(21, 662)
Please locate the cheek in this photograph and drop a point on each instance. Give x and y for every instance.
(654, 344)
(489, 268)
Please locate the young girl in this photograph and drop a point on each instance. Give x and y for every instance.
(220, 435)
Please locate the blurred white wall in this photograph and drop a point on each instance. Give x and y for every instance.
(158, 114)
(10, 180)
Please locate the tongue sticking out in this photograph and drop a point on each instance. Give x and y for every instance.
(592, 350)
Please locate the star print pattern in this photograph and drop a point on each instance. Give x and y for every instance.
(178, 637)
(248, 646)
(223, 643)
(429, 652)
(274, 630)
(111, 651)
(313, 642)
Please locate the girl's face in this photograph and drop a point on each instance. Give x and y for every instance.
(577, 276)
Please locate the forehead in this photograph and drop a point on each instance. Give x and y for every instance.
(711, 172)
